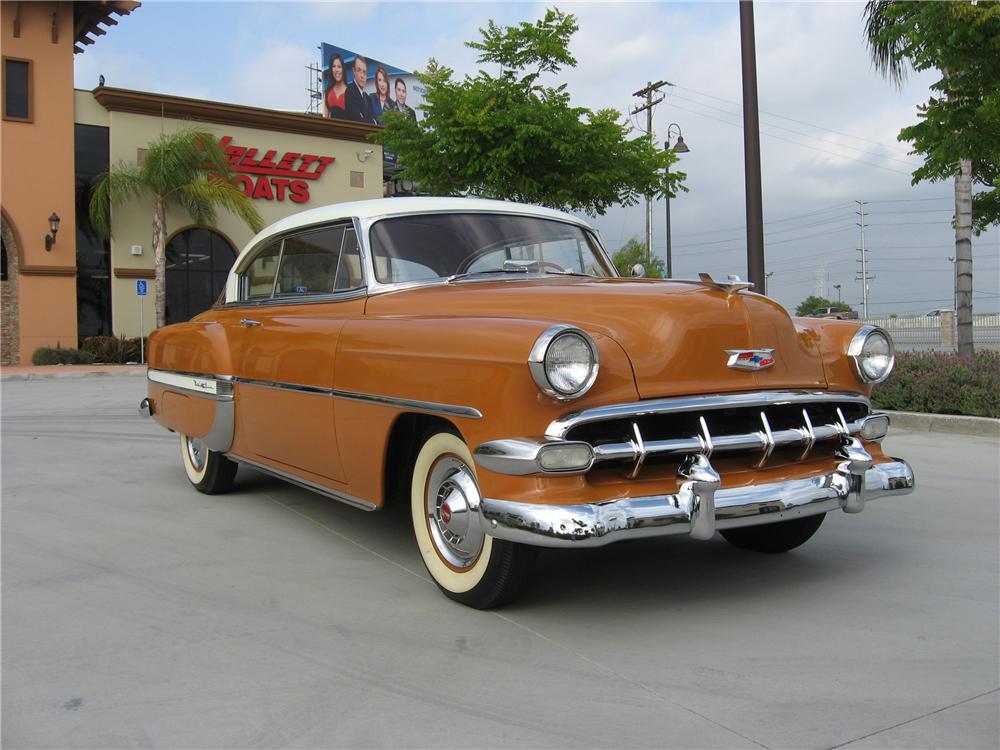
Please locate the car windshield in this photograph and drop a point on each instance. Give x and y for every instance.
(441, 246)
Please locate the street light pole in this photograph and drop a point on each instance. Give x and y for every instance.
(679, 148)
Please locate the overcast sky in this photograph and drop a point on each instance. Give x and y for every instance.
(829, 122)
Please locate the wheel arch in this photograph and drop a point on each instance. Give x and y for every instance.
(402, 446)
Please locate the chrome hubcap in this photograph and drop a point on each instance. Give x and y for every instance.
(452, 503)
(197, 453)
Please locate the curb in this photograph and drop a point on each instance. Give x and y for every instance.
(28, 374)
(948, 423)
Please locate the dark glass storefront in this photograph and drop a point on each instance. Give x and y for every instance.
(93, 249)
(198, 262)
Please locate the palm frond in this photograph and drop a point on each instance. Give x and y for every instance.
(200, 199)
(113, 188)
(886, 49)
(178, 158)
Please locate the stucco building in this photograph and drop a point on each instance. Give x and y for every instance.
(57, 140)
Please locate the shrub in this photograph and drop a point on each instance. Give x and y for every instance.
(50, 355)
(111, 349)
(940, 383)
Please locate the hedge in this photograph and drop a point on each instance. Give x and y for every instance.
(940, 383)
(48, 355)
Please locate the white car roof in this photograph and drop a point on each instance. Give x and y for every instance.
(382, 207)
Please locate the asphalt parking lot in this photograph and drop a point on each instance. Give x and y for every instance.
(139, 613)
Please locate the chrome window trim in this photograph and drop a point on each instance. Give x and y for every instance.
(857, 344)
(376, 287)
(239, 271)
(536, 361)
(558, 428)
(305, 299)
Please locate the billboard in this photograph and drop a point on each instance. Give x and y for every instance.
(361, 89)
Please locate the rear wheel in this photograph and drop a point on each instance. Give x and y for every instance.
(209, 471)
(774, 537)
(466, 563)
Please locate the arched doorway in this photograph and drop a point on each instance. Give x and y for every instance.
(198, 262)
(10, 332)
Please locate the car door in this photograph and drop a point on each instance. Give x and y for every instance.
(298, 297)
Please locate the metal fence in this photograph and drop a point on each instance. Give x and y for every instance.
(937, 332)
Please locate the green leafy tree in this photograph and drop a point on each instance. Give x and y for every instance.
(959, 130)
(811, 304)
(632, 252)
(508, 136)
(186, 169)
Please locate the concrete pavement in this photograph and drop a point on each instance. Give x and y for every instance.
(137, 612)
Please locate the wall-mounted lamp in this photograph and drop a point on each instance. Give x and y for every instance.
(365, 155)
(50, 239)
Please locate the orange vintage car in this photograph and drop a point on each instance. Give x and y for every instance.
(484, 362)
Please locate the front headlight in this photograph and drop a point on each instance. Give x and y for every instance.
(873, 354)
(564, 362)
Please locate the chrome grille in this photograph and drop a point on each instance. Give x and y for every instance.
(751, 425)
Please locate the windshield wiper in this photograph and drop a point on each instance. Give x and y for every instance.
(509, 266)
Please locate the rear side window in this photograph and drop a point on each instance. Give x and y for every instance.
(258, 281)
(319, 262)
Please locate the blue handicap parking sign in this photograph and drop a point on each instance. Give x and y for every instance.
(140, 287)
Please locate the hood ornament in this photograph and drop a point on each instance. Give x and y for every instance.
(750, 359)
(733, 284)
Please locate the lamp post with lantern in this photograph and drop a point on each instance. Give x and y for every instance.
(679, 147)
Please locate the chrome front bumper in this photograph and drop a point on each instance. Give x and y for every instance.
(699, 508)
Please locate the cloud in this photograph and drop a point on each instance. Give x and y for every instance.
(274, 76)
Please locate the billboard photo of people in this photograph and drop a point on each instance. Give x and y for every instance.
(362, 89)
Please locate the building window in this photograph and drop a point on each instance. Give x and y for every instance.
(16, 89)
(93, 249)
(198, 263)
(3, 260)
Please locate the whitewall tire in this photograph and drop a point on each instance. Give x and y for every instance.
(210, 472)
(467, 564)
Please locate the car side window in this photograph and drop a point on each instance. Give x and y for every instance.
(258, 279)
(309, 263)
(320, 261)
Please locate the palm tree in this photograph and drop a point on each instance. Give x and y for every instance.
(889, 56)
(186, 169)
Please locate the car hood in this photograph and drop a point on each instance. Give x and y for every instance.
(676, 334)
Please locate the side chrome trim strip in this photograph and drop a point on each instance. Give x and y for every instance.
(560, 427)
(343, 497)
(219, 387)
(428, 407)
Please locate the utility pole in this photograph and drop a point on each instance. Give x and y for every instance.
(651, 88)
(751, 148)
(864, 278)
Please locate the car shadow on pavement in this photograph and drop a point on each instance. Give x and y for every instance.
(670, 572)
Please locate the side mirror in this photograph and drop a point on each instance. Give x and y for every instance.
(638, 271)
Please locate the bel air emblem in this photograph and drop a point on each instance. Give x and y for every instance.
(750, 359)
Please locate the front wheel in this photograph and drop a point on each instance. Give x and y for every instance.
(774, 537)
(209, 471)
(466, 563)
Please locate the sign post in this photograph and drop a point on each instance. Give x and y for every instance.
(141, 288)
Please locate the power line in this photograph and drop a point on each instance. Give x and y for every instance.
(771, 221)
(792, 119)
(908, 163)
(795, 143)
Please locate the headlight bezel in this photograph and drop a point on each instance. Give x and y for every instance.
(539, 350)
(855, 351)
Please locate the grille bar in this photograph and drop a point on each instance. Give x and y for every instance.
(765, 441)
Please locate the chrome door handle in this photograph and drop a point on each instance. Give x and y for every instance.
(248, 323)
